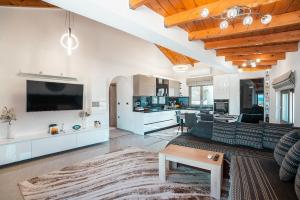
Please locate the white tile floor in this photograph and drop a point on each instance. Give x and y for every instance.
(11, 175)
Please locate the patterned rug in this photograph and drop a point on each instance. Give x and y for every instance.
(125, 174)
(167, 134)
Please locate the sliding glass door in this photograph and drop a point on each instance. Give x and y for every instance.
(287, 106)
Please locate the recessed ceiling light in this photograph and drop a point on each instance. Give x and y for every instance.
(253, 64)
(204, 13)
(244, 64)
(258, 60)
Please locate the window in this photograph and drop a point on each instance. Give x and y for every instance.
(201, 95)
(287, 106)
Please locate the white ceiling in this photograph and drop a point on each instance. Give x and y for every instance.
(145, 24)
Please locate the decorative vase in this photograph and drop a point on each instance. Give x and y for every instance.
(9, 132)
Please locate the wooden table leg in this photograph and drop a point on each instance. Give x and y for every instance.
(163, 167)
(216, 182)
(181, 124)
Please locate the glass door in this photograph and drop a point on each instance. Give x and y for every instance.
(285, 107)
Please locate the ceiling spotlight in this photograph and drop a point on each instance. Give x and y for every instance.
(224, 24)
(248, 20)
(253, 64)
(266, 19)
(204, 13)
(233, 12)
(244, 64)
(258, 60)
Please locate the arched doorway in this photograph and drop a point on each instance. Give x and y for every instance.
(120, 102)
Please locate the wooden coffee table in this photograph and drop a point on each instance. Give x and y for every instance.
(195, 158)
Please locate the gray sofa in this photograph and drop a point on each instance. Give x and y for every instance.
(253, 172)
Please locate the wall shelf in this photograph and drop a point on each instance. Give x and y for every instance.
(45, 76)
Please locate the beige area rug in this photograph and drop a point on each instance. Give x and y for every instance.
(167, 134)
(125, 174)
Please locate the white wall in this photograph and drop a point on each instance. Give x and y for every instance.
(291, 63)
(29, 42)
(227, 86)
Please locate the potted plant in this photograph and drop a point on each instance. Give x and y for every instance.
(7, 116)
(83, 115)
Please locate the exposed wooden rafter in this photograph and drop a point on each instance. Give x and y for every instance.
(262, 63)
(263, 57)
(289, 36)
(254, 69)
(134, 4)
(176, 58)
(25, 3)
(216, 9)
(287, 19)
(277, 48)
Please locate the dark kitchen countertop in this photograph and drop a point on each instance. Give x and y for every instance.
(162, 110)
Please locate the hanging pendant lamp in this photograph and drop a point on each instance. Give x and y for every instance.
(68, 40)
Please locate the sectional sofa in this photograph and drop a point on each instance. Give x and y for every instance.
(249, 160)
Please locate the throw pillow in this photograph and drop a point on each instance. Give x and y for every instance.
(249, 135)
(273, 133)
(297, 183)
(290, 163)
(224, 132)
(284, 145)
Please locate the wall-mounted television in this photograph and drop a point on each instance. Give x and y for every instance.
(51, 96)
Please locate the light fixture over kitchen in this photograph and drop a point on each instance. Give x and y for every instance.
(237, 12)
(68, 40)
(181, 68)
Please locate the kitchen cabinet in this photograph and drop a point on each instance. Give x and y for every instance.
(144, 85)
(174, 88)
(145, 122)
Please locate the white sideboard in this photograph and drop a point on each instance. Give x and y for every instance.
(19, 149)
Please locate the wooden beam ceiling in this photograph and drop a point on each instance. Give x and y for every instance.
(277, 48)
(254, 69)
(25, 3)
(238, 43)
(216, 9)
(176, 58)
(134, 4)
(277, 56)
(283, 20)
(262, 63)
(289, 36)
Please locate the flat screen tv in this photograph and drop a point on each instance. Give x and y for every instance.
(50, 96)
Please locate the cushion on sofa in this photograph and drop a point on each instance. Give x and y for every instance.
(297, 183)
(273, 133)
(284, 145)
(255, 178)
(249, 135)
(203, 129)
(290, 163)
(224, 132)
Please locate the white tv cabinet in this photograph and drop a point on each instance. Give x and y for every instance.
(24, 148)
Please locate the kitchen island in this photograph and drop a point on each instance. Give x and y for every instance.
(156, 119)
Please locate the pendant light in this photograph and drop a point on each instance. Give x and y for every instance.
(68, 40)
(235, 12)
